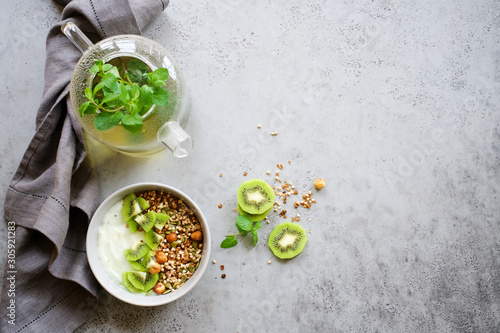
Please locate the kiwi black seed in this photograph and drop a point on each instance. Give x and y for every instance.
(287, 240)
(137, 279)
(137, 251)
(146, 221)
(255, 196)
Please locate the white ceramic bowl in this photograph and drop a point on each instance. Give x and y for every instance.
(120, 291)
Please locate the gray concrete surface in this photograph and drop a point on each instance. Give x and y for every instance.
(394, 103)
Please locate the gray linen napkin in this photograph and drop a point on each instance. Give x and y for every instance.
(48, 285)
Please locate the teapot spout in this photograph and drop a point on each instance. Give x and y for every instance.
(172, 135)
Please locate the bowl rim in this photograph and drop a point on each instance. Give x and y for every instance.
(97, 267)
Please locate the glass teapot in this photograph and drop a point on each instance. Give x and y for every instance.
(162, 125)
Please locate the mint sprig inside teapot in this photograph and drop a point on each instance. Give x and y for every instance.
(124, 94)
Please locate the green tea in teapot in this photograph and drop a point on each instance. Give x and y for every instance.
(128, 93)
(124, 93)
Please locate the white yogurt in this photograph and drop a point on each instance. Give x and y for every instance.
(113, 239)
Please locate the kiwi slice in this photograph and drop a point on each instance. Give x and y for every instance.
(143, 203)
(254, 217)
(255, 196)
(137, 265)
(146, 221)
(128, 285)
(161, 220)
(152, 239)
(287, 240)
(146, 259)
(137, 251)
(132, 225)
(148, 263)
(137, 279)
(150, 281)
(131, 206)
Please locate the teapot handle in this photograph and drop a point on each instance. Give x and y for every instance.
(76, 36)
(172, 135)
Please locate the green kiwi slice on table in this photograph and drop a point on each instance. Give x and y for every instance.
(254, 217)
(255, 196)
(287, 240)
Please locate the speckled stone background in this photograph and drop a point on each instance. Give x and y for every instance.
(394, 103)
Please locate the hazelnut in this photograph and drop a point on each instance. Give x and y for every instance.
(319, 183)
(171, 237)
(161, 257)
(159, 288)
(155, 268)
(197, 236)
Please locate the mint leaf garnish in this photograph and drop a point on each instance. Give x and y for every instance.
(107, 120)
(136, 71)
(131, 123)
(244, 225)
(255, 237)
(123, 95)
(161, 74)
(160, 96)
(230, 241)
